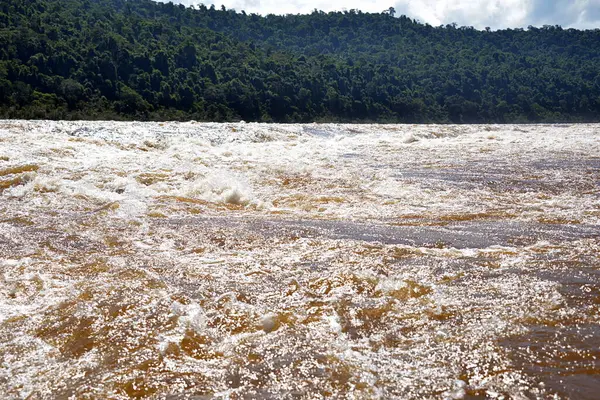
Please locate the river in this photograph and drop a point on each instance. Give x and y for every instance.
(241, 261)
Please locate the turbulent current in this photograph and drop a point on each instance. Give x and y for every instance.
(260, 261)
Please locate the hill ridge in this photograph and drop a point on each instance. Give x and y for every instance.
(138, 59)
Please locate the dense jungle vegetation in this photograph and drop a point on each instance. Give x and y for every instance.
(138, 59)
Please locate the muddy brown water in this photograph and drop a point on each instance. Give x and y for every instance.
(181, 261)
(237, 270)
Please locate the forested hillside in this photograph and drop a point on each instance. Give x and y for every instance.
(137, 59)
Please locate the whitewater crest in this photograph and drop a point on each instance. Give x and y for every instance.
(244, 260)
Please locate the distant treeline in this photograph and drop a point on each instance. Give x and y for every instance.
(138, 59)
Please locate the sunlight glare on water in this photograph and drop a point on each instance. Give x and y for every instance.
(193, 260)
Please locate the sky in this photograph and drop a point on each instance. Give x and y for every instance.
(496, 14)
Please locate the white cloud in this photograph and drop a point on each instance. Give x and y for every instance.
(496, 14)
(295, 6)
(477, 13)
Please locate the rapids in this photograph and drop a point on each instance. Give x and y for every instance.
(233, 261)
